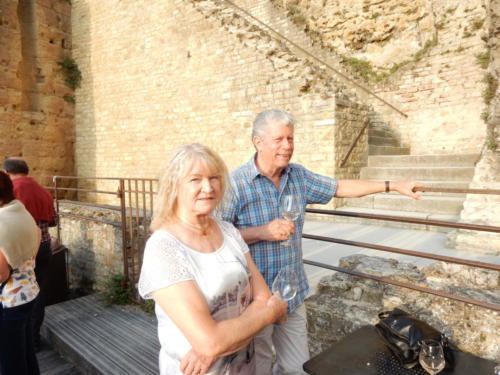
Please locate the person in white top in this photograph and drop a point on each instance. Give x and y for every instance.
(210, 299)
(19, 240)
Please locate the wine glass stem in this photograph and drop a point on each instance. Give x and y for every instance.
(287, 242)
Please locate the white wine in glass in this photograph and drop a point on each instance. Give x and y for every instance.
(286, 283)
(290, 209)
(431, 356)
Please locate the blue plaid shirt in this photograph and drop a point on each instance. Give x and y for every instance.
(255, 201)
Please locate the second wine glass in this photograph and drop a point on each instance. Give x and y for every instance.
(431, 356)
(286, 283)
(290, 209)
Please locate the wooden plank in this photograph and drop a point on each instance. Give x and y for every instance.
(51, 363)
(102, 339)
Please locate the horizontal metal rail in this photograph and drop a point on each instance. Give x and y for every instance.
(419, 254)
(102, 178)
(83, 190)
(91, 204)
(83, 178)
(141, 192)
(426, 189)
(386, 280)
(89, 218)
(402, 219)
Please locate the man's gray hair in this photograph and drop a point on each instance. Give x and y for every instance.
(263, 119)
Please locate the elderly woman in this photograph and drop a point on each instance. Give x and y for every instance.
(19, 240)
(210, 299)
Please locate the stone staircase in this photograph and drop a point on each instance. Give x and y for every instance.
(382, 141)
(445, 171)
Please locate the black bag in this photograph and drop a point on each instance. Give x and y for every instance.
(403, 333)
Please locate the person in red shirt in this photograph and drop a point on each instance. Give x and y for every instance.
(40, 205)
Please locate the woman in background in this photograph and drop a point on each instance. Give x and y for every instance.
(19, 240)
(210, 298)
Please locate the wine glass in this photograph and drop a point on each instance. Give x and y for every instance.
(431, 356)
(286, 283)
(290, 210)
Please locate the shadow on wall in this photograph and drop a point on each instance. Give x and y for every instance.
(85, 126)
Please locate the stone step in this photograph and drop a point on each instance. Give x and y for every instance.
(387, 150)
(380, 132)
(420, 160)
(418, 174)
(383, 141)
(428, 204)
(384, 223)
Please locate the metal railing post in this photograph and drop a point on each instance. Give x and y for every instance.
(121, 195)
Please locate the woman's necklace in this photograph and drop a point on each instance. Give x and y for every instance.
(204, 231)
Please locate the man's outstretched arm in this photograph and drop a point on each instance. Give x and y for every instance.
(359, 188)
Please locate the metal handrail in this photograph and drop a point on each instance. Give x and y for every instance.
(426, 189)
(419, 254)
(354, 144)
(321, 61)
(402, 219)
(386, 280)
(124, 191)
(440, 293)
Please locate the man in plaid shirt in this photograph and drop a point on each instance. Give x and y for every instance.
(254, 208)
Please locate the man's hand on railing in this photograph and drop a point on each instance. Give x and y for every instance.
(406, 188)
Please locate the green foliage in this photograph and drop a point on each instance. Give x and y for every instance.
(72, 74)
(483, 59)
(397, 66)
(296, 15)
(490, 89)
(467, 34)
(492, 144)
(148, 306)
(425, 49)
(117, 291)
(299, 19)
(484, 116)
(477, 24)
(411, 11)
(69, 99)
(362, 67)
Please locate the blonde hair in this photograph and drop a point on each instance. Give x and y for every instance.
(178, 166)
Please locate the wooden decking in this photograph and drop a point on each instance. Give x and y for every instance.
(51, 363)
(102, 339)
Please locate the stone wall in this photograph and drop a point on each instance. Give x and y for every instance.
(428, 50)
(35, 121)
(94, 241)
(485, 209)
(343, 303)
(195, 72)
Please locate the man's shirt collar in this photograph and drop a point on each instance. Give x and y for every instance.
(254, 172)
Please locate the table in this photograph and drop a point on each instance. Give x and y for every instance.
(364, 353)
